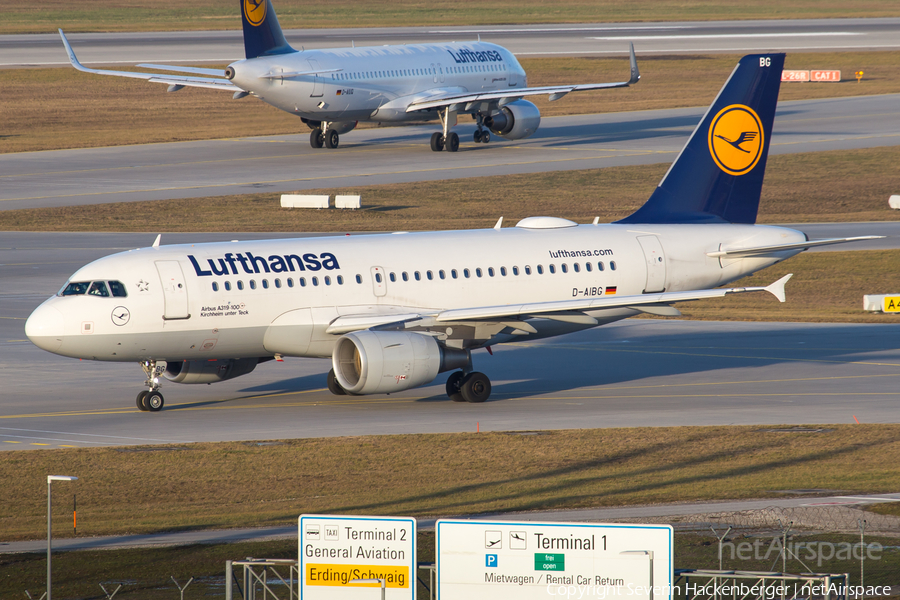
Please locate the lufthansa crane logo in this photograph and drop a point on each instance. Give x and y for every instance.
(736, 139)
(255, 11)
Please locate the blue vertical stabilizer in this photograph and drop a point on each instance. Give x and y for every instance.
(718, 175)
(262, 33)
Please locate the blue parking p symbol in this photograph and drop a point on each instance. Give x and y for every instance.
(490, 560)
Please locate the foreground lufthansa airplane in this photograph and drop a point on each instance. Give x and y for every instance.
(332, 90)
(393, 311)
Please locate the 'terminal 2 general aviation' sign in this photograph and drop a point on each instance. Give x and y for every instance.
(486, 560)
(335, 550)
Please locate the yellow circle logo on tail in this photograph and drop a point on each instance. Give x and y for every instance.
(255, 11)
(736, 139)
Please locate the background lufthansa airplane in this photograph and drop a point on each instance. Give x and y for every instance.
(332, 90)
(392, 311)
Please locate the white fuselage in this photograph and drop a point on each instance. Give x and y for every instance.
(377, 83)
(277, 297)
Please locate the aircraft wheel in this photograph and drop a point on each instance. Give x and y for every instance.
(154, 401)
(332, 138)
(437, 141)
(452, 142)
(476, 387)
(485, 137)
(141, 400)
(453, 383)
(334, 386)
(477, 137)
(316, 138)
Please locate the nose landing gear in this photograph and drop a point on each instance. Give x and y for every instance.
(151, 399)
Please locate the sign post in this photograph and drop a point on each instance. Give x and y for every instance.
(484, 560)
(341, 557)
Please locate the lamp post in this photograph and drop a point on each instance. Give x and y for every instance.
(51, 479)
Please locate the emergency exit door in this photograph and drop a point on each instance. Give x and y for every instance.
(655, 259)
(174, 289)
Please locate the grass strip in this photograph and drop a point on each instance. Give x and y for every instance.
(63, 108)
(133, 490)
(157, 15)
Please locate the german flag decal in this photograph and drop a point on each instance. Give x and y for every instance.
(610, 290)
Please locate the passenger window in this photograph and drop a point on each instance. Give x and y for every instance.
(588, 267)
(76, 289)
(340, 279)
(552, 268)
(359, 279)
(600, 266)
(278, 283)
(328, 280)
(503, 271)
(378, 277)
(540, 269)
(290, 282)
(466, 273)
(417, 276)
(478, 272)
(265, 283)
(315, 281)
(564, 268)
(227, 286)
(429, 275)
(393, 277)
(252, 284)
(491, 271)
(576, 267)
(612, 265)
(215, 286)
(302, 281)
(240, 284)
(454, 274)
(118, 289)
(98, 288)
(405, 276)
(442, 274)
(527, 269)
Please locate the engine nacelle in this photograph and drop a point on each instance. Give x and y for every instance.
(515, 121)
(208, 371)
(378, 362)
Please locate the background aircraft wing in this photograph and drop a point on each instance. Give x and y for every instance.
(505, 96)
(172, 80)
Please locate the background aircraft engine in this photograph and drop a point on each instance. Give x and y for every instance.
(515, 121)
(378, 362)
(208, 371)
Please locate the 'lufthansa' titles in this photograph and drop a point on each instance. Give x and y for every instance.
(465, 55)
(250, 263)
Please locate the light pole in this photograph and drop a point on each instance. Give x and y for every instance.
(51, 479)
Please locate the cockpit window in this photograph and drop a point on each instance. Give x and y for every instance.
(98, 288)
(76, 288)
(118, 289)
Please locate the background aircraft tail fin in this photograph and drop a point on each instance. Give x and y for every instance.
(262, 33)
(718, 175)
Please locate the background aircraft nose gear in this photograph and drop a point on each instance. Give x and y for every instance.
(151, 399)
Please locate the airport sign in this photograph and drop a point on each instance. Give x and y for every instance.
(483, 560)
(341, 556)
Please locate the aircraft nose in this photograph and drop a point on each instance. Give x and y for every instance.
(45, 328)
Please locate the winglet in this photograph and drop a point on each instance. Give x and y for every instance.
(72, 58)
(635, 73)
(159, 237)
(777, 288)
(499, 223)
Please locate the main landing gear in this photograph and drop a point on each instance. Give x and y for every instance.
(324, 135)
(449, 141)
(468, 387)
(151, 399)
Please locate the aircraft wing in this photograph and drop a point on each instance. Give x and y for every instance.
(172, 80)
(505, 96)
(763, 250)
(564, 310)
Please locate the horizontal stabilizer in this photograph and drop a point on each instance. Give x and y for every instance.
(777, 288)
(763, 250)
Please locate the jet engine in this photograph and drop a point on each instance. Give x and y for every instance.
(378, 362)
(209, 371)
(515, 121)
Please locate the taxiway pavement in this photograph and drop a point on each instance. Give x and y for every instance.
(287, 163)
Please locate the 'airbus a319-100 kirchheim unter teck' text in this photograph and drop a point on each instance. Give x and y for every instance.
(394, 311)
(332, 90)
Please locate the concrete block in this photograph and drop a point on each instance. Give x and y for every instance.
(303, 201)
(347, 202)
(894, 201)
